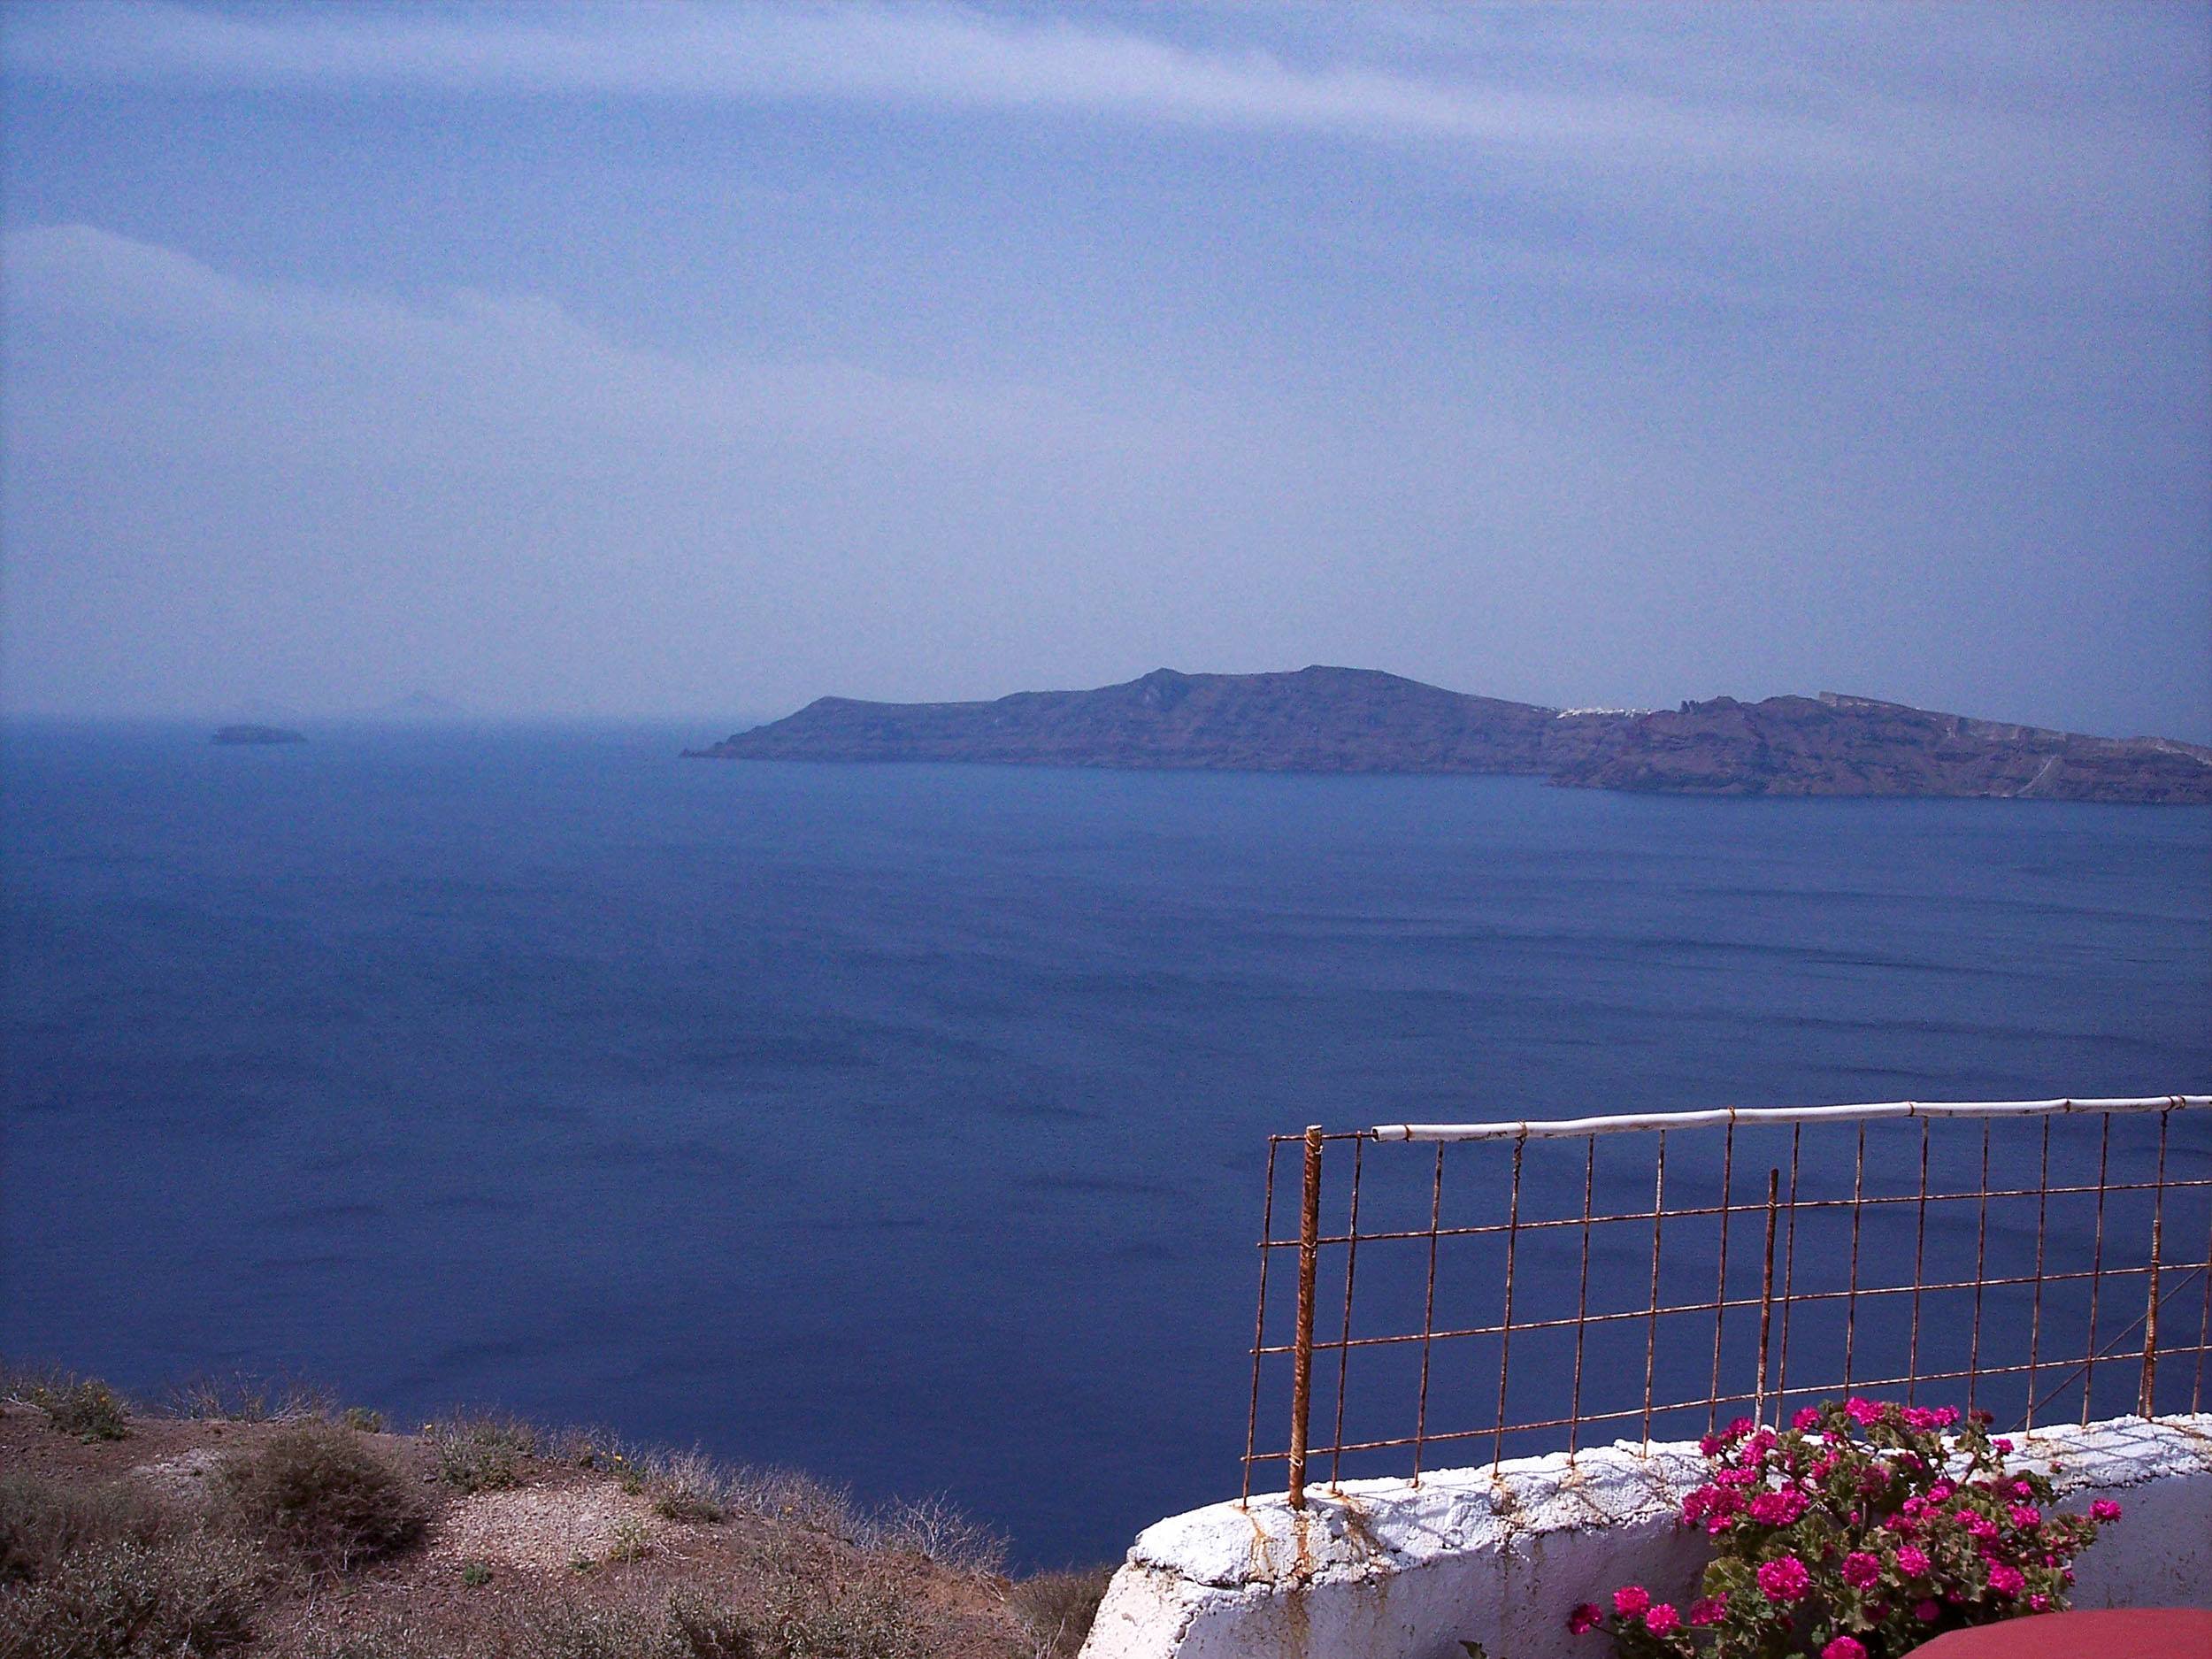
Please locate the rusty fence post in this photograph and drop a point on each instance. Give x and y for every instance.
(2146, 1399)
(1302, 1348)
(1766, 1301)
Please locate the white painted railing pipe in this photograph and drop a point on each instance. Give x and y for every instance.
(1561, 1128)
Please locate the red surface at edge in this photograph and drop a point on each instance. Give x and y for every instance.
(2121, 1633)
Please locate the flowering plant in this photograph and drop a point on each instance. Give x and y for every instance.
(1861, 1531)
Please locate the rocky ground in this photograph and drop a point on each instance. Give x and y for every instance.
(301, 1533)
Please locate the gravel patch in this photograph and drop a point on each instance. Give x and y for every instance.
(545, 1528)
(184, 1473)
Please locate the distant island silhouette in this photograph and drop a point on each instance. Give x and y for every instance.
(257, 734)
(1323, 719)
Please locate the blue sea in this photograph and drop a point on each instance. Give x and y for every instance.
(903, 1123)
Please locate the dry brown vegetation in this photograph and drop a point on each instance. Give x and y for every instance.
(261, 1522)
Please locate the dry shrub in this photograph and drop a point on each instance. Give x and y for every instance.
(1057, 1609)
(698, 1628)
(567, 1631)
(317, 1492)
(393, 1639)
(790, 1497)
(43, 1521)
(190, 1594)
(83, 1407)
(481, 1451)
(243, 1396)
(864, 1616)
(690, 1487)
(935, 1530)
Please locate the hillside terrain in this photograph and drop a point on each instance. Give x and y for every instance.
(1358, 720)
(237, 1524)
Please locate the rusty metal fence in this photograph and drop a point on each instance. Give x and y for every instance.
(1519, 1283)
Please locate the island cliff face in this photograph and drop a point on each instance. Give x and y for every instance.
(1349, 719)
(1857, 746)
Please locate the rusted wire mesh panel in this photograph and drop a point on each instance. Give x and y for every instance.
(1438, 1295)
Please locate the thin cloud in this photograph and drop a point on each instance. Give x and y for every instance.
(473, 351)
(924, 56)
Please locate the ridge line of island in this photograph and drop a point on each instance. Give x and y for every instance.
(1323, 719)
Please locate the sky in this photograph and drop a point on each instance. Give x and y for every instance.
(702, 360)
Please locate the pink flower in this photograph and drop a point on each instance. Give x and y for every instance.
(2003, 1444)
(1860, 1568)
(2038, 1603)
(1940, 1491)
(1927, 1612)
(1661, 1619)
(1979, 1524)
(1630, 1600)
(1585, 1617)
(1777, 1509)
(1784, 1580)
(2025, 1515)
(2006, 1580)
(1862, 1412)
(1709, 1609)
(1844, 1647)
(1912, 1562)
(2104, 1509)
(1807, 1417)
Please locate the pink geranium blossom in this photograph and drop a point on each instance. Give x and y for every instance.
(1885, 1521)
(1777, 1509)
(1784, 1580)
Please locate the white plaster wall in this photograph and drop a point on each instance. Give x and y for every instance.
(1499, 1554)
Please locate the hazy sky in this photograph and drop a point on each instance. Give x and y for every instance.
(674, 359)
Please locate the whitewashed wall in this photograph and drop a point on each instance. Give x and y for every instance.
(1498, 1556)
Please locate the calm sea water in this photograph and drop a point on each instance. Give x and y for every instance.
(904, 1122)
